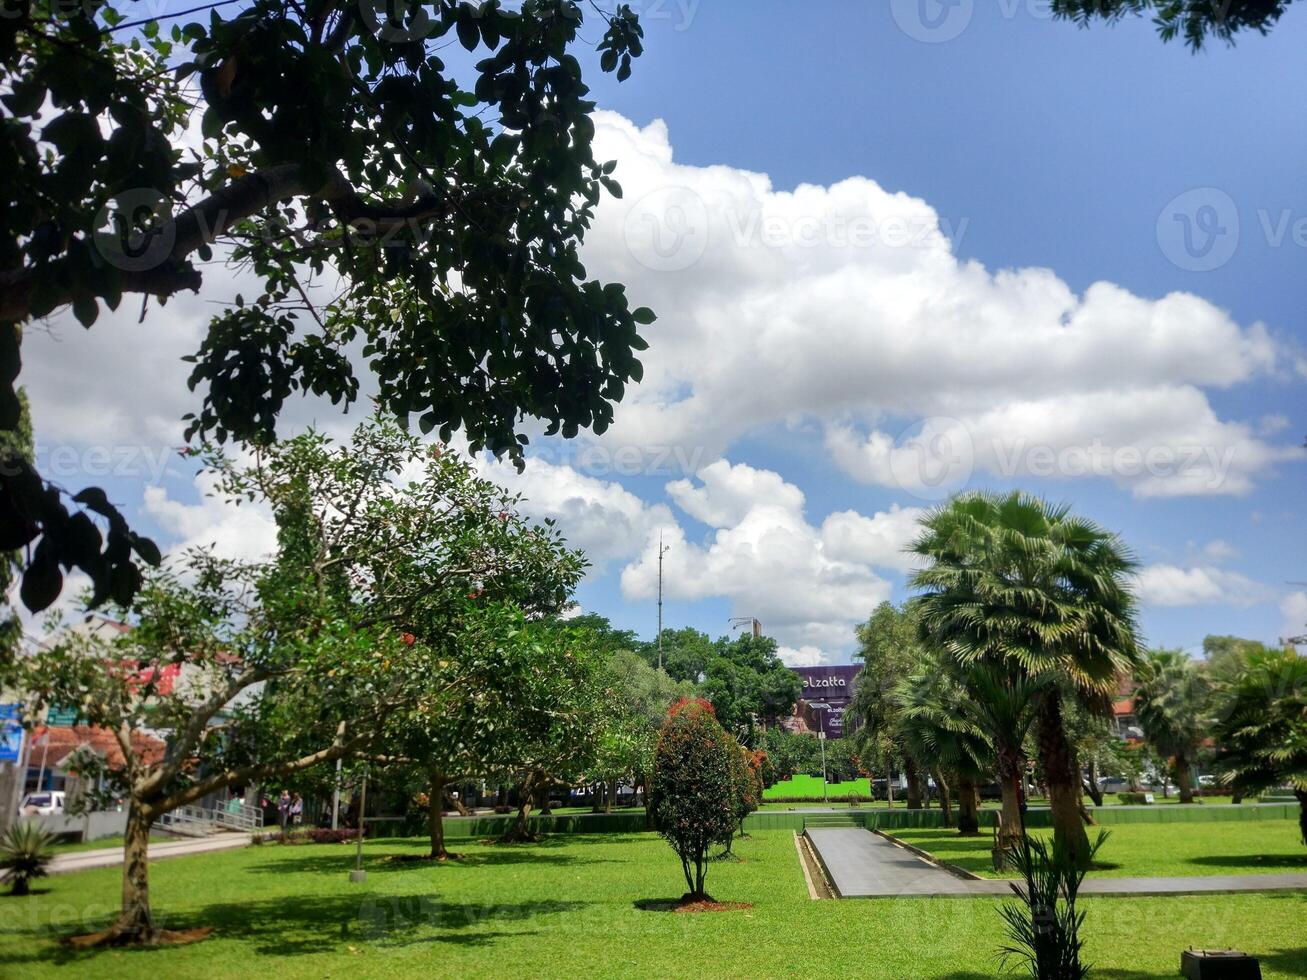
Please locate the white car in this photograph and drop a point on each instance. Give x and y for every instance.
(42, 804)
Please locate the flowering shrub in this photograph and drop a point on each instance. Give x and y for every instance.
(693, 788)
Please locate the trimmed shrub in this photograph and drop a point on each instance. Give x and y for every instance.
(693, 792)
(1132, 799)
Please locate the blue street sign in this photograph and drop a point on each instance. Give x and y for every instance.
(11, 734)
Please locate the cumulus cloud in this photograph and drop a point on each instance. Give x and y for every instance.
(847, 304)
(600, 517)
(1171, 585)
(770, 562)
(245, 532)
(802, 657)
(883, 539)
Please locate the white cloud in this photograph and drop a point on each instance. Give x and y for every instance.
(846, 304)
(770, 563)
(601, 518)
(883, 539)
(1293, 608)
(1171, 585)
(802, 657)
(1219, 550)
(246, 531)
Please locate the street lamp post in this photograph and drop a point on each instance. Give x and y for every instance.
(821, 740)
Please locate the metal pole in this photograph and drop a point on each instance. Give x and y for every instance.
(335, 799)
(661, 551)
(358, 874)
(821, 737)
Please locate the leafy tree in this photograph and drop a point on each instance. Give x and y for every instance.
(1171, 702)
(568, 704)
(791, 753)
(747, 789)
(1261, 732)
(891, 649)
(604, 636)
(693, 792)
(442, 209)
(1014, 581)
(685, 653)
(748, 684)
(301, 655)
(641, 697)
(1194, 20)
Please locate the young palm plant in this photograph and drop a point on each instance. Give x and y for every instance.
(1044, 926)
(1262, 728)
(1014, 581)
(1171, 703)
(24, 855)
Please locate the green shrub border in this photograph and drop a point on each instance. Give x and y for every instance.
(631, 823)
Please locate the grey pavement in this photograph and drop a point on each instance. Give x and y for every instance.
(106, 857)
(860, 864)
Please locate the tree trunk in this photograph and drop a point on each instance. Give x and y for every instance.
(945, 802)
(1091, 786)
(1009, 782)
(611, 800)
(914, 784)
(1184, 778)
(455, 803)
(1058, 758)
(135, 924)
(520, 831)
(1236, 796)
(889, 789)
(436, 818)
(968, 815)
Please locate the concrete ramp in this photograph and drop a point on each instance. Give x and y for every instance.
(860, 864)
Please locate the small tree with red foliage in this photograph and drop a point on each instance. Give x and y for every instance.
(693, 790)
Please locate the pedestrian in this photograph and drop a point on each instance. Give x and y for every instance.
(297, 810)
(283, 810)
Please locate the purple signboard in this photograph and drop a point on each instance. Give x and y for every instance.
(830, 686)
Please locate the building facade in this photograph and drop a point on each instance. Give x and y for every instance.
(824, 700)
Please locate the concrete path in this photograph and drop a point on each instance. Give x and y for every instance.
(106, 857)
(860, 864)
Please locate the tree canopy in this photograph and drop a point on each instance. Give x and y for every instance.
(438, 200)
(1194, 20)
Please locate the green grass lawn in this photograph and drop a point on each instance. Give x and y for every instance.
(811, 786)
(572, 906)
(1164, 850)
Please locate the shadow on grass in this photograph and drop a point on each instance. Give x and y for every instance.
(411, 861)
(315, 925)
(1260, 862)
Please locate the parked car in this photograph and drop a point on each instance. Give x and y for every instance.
(42, 804)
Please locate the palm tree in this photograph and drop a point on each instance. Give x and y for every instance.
(1002, 704)
(1014, 581)
(932, 724)
(1171, 700)
(1261, 731)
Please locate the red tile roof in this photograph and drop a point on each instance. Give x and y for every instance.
(62, 741)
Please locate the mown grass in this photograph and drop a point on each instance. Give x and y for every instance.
(575, 906)
(1148, 850)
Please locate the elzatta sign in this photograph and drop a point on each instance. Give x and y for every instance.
(831, 686)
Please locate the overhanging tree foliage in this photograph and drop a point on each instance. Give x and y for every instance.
(1194, 20)
(440, 207)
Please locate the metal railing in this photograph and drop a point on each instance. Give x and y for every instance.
(198, 821)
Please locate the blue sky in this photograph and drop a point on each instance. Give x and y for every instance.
(1029, 145)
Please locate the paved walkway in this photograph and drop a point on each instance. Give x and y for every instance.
(106, 857)
(860, 864)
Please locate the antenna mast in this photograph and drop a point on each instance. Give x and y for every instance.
(661, 551)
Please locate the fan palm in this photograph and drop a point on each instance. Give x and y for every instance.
(933, 724)
(1014, 581)
(1002, 705)
(24, 854)
(1262, 729)
(1171, 700)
